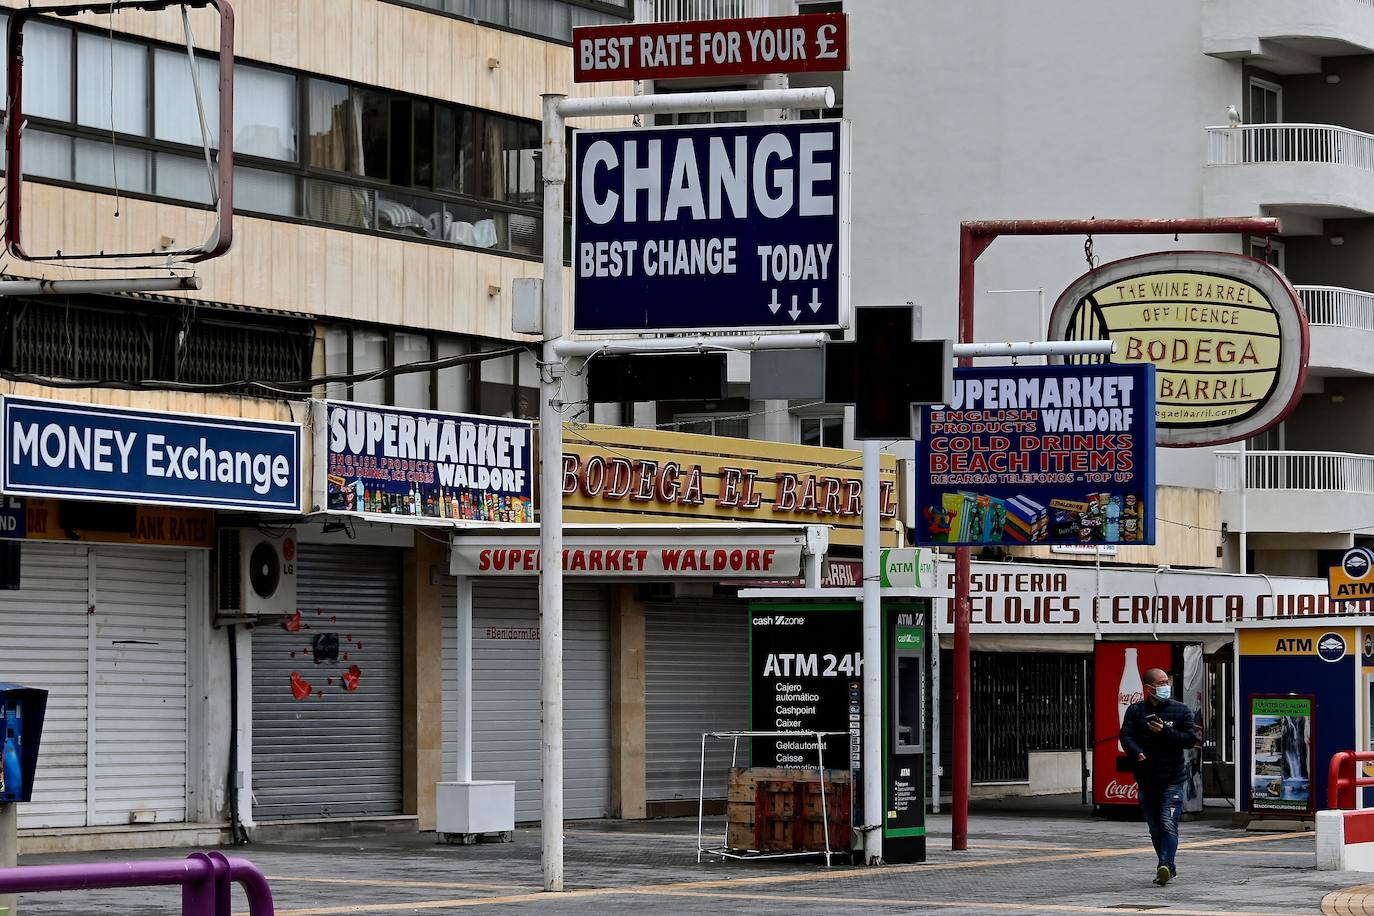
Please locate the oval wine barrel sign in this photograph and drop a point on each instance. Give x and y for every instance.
(1225, 332)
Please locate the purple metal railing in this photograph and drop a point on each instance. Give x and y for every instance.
(205, 879)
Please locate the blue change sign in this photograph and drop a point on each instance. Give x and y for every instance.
(1039, 455)
(114, 454)
(725, 227)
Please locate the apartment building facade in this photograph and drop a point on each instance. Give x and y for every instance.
(388, 191)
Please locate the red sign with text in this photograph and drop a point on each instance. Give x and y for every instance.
(1118, 677)
(816, 42)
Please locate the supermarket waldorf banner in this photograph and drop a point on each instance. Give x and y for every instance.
(1039, 455)
(422, 464)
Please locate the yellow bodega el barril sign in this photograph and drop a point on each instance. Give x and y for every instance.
(1225, 333)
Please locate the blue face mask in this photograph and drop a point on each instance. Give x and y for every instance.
(1163, 692)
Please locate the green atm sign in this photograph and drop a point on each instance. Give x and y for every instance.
(908, 567)
(911, 638)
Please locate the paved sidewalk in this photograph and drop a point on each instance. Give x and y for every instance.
(1019, 862)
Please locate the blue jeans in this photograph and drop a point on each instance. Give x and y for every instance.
(1163, 806)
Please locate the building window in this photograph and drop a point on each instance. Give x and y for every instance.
(553, 19)
(734, 426)
(363, 350)
(328, 152)
(825, 431)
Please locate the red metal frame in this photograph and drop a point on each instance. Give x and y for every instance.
(219, 241)
(1340, 789)
(974, 238)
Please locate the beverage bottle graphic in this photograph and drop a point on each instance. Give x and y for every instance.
(1131, 690)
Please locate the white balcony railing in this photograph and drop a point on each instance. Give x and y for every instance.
(1331, 471)
(1314, 143)
(688, 10)
(1338, 306)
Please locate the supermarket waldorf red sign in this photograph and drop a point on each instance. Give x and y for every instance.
(811, 43)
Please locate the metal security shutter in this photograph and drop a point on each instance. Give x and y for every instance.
(44, 645)
(506, 714)
(696, 673)
(139, 772)
(335, 754)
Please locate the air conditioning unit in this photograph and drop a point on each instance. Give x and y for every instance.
(257, 573)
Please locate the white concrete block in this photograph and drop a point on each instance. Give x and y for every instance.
(480, 806)
(1331, 840)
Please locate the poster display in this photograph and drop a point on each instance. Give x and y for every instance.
(389, 461)
(1118, 681)
(1039, 455)
(1282, 742)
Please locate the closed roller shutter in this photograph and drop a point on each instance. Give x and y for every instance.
(506, 713)
(696, 673)
(141, 693)
(44, 645)
(335, 754)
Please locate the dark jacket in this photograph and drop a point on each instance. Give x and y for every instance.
(1163, 764)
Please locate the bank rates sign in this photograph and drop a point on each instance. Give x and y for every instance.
(723, 227)
(1040, 455)
(114, 454)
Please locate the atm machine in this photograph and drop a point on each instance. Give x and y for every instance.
(806, 666)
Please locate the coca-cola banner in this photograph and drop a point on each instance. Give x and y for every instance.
(1118, 669)
(1025, 598)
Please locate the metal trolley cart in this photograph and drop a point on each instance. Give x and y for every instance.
(724, 850)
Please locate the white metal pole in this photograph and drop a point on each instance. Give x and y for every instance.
(464, 611)
(1242, 458)
(551, 500)
(872, 659)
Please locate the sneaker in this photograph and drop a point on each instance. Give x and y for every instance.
(1162, 875)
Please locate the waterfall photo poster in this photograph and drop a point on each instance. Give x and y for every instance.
(1282, 743)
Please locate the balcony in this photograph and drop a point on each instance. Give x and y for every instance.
(1309, 493)
(1303, 173)
(688, 10)
(1287, 36)
(1341, 322)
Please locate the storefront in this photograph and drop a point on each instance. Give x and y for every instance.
(109, 606)
(337, 719)
(334, 751)
(697, 634)
(505, 691)
(1036, 633)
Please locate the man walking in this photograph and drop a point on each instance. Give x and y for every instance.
(1154, 733)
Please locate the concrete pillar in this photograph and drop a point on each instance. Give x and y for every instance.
(627, 704)
(422, 698)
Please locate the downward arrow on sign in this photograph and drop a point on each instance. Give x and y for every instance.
(774, 305)
(815, 302)
(794, 311)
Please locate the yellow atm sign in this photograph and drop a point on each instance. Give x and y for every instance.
(1353, 580)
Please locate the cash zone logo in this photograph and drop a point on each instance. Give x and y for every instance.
(1117, 791)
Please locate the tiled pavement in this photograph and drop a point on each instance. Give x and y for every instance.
(1020, 861)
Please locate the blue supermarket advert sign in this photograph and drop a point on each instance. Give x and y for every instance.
(116, 454)
(1039, 455)
(390, 461)
(721, 227)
